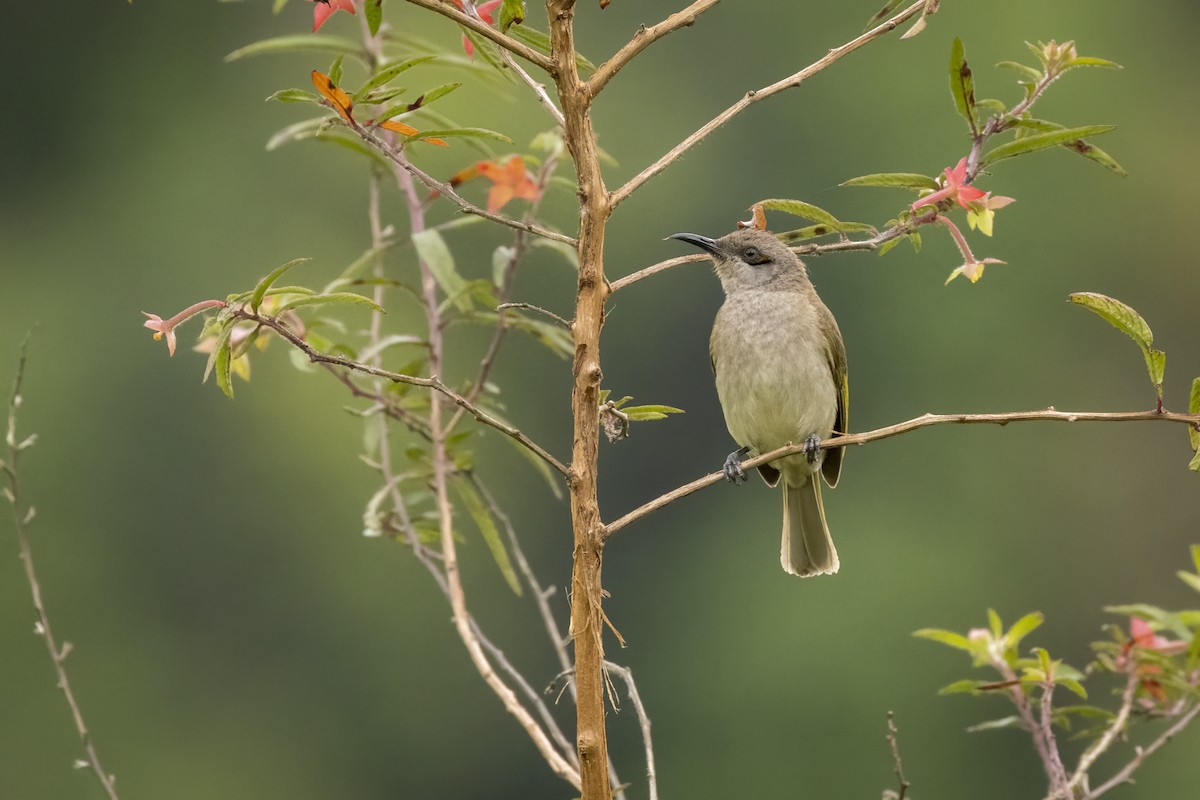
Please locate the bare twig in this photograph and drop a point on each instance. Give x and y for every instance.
(1142, 753)
(538, 309)
(476, 25)
(924, 421)
(21, 518)
(753, 96)
(1054, 764)
(898, 766)
(626, 674)
(434, 382)
(1114, 729)
(643, 39)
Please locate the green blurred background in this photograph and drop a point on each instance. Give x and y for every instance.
(235, 634)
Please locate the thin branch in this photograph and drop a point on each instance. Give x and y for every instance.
(641, 40)
(924, 421)
(21, 519)
(893, 738)
(1143, 753)
(1054, 764)
(441, 471)
(508, 43)
(1115, 729)
(538, 309)
(434, 382)
(539, 89)
(752, 97)
(626, 674)
(396, 156)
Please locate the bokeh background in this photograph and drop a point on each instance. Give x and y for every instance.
(236, 636)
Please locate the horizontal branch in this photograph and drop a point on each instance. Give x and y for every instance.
(924, 421)
(510, 44)
(641, 40)
(753, 96)
(1126, 772)
(433, 382)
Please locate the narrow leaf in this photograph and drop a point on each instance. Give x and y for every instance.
(260, 290)
(996, 724)
(1023, 627)
(335, 70)
(1041, 141)
(814, 231)
(387, 74)
(432, 249)
(294, 96)
(473, 133)
(332, 298)
(541, 42)
(1117, 314)
(799, 208)
(511, 13)
(956, 640)
(489, 531)
(374, 12)
(224, 357)
(301, 43)
(965, 686)
(222, 341)
(883, 13)
(1091, 61)
(962, 85)
(901, 180)
(1029, 72)
(1194, 438)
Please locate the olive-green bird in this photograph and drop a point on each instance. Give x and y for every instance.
(780, 366)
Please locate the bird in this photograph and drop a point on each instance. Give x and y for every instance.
(780, 366)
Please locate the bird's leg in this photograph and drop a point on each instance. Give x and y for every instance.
(733, 466)
(812, 448)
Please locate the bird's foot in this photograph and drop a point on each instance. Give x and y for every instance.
(812, 448)
(733, 466)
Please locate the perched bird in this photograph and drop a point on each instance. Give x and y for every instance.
(780, 366)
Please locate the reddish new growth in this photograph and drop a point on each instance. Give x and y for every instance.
(484, 10)
(509, 180)
(1143, 636)
(324, 9)
(954, 188)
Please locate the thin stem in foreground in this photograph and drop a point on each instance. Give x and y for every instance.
(21, 519)
(480, 27)
(924, 421)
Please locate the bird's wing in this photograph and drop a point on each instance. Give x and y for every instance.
(835, 351)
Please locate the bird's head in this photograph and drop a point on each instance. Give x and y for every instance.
(750, 259)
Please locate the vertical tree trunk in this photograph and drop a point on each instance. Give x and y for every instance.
(587, 620)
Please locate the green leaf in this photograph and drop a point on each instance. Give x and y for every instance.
(434, 94)
(994, 623)
(813, 231)
(962, 86)
(489, 531)
(473, 133)
(900, 180)
(294, 96)
(996, 724)
(1196, 557)
(1085, 149)
(1091, 61)
(432, 249)
(335, 70)
(374, 12)
(1073, 685)
(511, 13)
(301, 43)
(330, 298)
(1041, 141)
(1128, 321)
(1029, 72)
(224, 358)
(799, 208)
(387, 74)
(650, 412)
(305, 129)
(489, 53)
(1194, 438)
(1194, 464)
(965, 686)
(260, 291)
(1191, 579)
(222, 341)
(277, 6)
(955, 640)
(1023, 627)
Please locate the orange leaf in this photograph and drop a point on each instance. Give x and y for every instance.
(399, 127)
(340, 101)
(510, 180)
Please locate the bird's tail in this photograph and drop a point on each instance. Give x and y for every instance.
(807, 546)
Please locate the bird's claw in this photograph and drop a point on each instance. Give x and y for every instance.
(812, 448)
(733, 467)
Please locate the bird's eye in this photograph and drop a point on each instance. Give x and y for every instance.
(752, 255)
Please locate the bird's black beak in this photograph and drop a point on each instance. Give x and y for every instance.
(703, 242)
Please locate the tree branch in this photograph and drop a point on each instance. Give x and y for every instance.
(924, 421)
(21, 519)
(1145, 752)
(752, 97)
(433, 382)
(626, 674)
(640, 41)
(480, 27)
